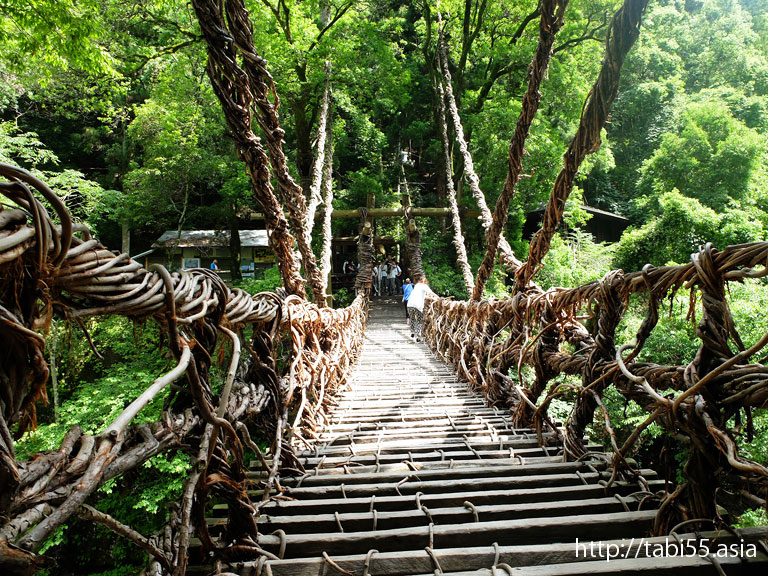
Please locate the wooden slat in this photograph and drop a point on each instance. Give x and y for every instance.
(465, 559)
(479, 470)
(412, 486)
(416, 446)
(361, 521)
(526, 531)
(435, 500)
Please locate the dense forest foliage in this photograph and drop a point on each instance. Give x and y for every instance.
(111, 102)
(111, 99)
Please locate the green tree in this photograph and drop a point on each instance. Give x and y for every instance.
(52, 35)
(712, 157)
(681, 225)
(181, 157)
(695, 62)
(82, 196)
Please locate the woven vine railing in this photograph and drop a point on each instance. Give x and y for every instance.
(573, 332)
(296, 358)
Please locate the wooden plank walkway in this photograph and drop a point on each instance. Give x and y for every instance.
(416, 475)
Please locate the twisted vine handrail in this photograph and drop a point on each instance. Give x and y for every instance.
(49, 269)
(489, 341)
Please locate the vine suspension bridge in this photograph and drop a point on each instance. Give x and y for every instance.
(415, 474)
(419, 462)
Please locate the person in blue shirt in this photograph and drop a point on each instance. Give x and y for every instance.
(407, 289)
(215, 265)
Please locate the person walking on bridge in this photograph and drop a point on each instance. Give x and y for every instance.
(407, 289)
(415, 307)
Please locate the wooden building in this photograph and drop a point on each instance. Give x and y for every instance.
(604, 226)
(198, 248)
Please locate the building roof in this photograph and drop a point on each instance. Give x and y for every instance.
(210, 239)
(604, 226)
(590, 210)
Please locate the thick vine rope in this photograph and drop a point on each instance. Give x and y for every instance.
(49, 269)
(489, 341)
(246, 91)
(552, 14)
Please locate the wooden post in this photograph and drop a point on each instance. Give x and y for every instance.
(412, 240)
(125, 238)
(370, 204)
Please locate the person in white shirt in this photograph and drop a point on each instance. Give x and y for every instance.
(416, 307)
(375, 279)
(383, 279)
(393, 271)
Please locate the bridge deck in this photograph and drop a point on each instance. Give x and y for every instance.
(416, 475)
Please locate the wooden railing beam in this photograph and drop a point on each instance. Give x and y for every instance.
(393, 213)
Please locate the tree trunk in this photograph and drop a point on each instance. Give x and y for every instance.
(508, 258)
(319, 166)
(125, 231)
(458, 237)
(325, 12)
(303, 129)
(428, 61)
(53, 350)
